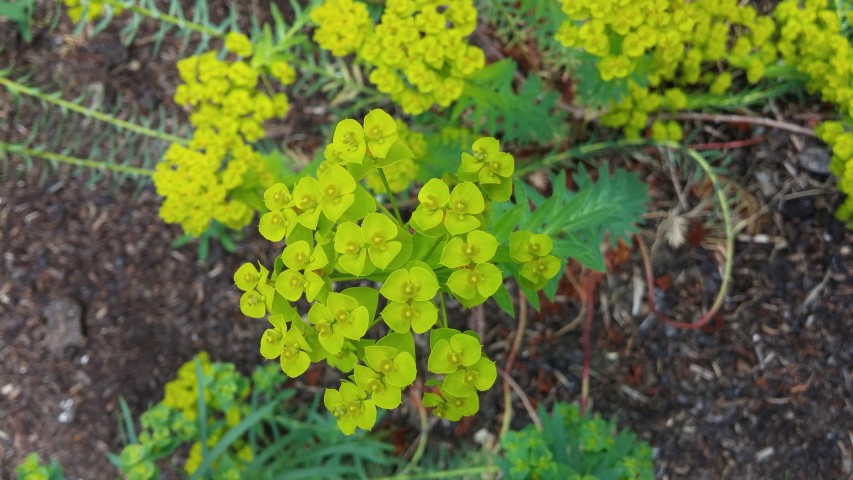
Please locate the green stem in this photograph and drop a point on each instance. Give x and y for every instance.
(457, 473)
(443, 309)
(80, 162)
(390, 196)
(14, 86)
(166, 18)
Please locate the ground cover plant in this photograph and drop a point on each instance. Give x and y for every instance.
(396, 193)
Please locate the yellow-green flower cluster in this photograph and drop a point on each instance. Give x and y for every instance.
(342, 25)
(841, 140)
(810, 39)
(200, 181)
(400, 175)
(335, 232)
(419, 48)
(174, 421)
(94, 9)
(670, 42)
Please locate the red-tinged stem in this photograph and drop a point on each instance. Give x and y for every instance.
(592, 281)
(650, 293)
(732, 144)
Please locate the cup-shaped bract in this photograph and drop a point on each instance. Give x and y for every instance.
(451, 407)
(348, 141)
(466, 203)
(307, 198)
(381, 392)
(277, 197)
(480, 282)
(418, 316)
(416, 283)
(300, 255)
(398, 367)
(336, 186)
(459, 351)
(294, 354)
(433, 199)
(350, 244)
(272, 341)
(291, 284)
(276, 225)
(252, 304)
(478, 247)
(540, 270)
(466, 381)
(247, 277)
(339, 318)
(351, 407)
(525, 246)
(379, 233)
(381, 131)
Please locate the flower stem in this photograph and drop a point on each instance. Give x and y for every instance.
(443, 309)
(14, 87)
(390, 196)
(80, 162)
(165, 18)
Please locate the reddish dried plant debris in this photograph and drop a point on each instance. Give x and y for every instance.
(664, 282)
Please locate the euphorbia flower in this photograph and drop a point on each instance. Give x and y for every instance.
(277, 197)
(290, 284)
(294, 354)
(349, 242)
(348, 141)
(483, 280)
(540, 270)
(247, 277)
(272, 341)
(398, 367)
(379, 233)
(346, 359)
(381, 130)
(466, 202)
(301, 256)
(252, 304)
(525, 246)
(383, 394)
(419, 316)
(276, 225)
(351, 407)
(341, 317)
(479, 247)
(466, 381)
(307, 198)
(336, 186)
(416, 283)
(433, 198)
(450, 406)
(460, 351)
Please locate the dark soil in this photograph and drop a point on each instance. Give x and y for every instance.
(95, 304)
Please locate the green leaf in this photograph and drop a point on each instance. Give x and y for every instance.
(504, 301)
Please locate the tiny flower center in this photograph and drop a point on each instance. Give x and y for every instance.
(342, 316)
(290, 352)
(306, 202)
(352, 247)
(387, 366)
(331, 191)
(375, 132)
(276, 219)
(340, 411)
(409, 313)
(375, 386)
(480, 154)
(410, 288)
(431, 202)
(470, 249)
(324, 329)
(470, 377)
(377, 240)
(454, 358)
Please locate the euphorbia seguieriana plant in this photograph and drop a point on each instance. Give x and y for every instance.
(338, 237)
